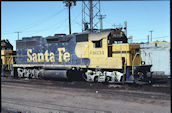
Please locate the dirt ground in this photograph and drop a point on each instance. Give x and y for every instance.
(45, 96)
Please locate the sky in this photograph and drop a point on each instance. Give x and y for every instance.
(51, 17)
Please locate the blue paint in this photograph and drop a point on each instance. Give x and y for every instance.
(41, 45)
(129, 76)
(128, 72)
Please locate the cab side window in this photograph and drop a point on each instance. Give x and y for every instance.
(97, 44)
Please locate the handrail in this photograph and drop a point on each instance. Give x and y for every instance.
(133, 62)
(9, 63)
(125, 67)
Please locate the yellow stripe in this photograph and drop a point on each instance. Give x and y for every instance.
(46, 65)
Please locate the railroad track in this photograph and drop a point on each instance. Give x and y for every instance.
(146, 91)
(129, 93)
(164, 87)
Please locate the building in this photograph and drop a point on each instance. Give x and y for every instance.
(158, 54)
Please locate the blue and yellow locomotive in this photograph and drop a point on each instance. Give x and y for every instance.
(6, 57)
(102, 56)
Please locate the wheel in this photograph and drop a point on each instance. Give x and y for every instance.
(107, 79)
(69, 76)
(139, 76)
(31, 76)
(20, 72)
(84, 76)
(96, 79)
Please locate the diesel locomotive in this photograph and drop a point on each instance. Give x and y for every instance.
(6, 57)
(104, 56)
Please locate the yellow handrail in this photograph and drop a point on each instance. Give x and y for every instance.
(133, 62)
(125, 67)
(9, 62)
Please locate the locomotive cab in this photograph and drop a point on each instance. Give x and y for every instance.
(129, 53)
(110, 51)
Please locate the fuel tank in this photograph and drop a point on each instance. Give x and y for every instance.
(53, 74)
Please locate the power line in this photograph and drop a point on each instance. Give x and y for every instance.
(44, 20)
(107, 22)
(38, 22)
(154, 38)
(160, 37)
(60, 25)
(74, 20)
(54, 28)
(144, 39)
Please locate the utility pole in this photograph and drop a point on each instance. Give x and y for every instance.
(101, 17)
(131, 38)
(18, 34)
(151, 34)
(69, 4)
(125, 23)
(148, 38)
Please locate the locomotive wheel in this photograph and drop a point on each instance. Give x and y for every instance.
(107, 79)
(31, 76)
(96, 79)
(69, 75)
(84, 76)
(139, 76)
